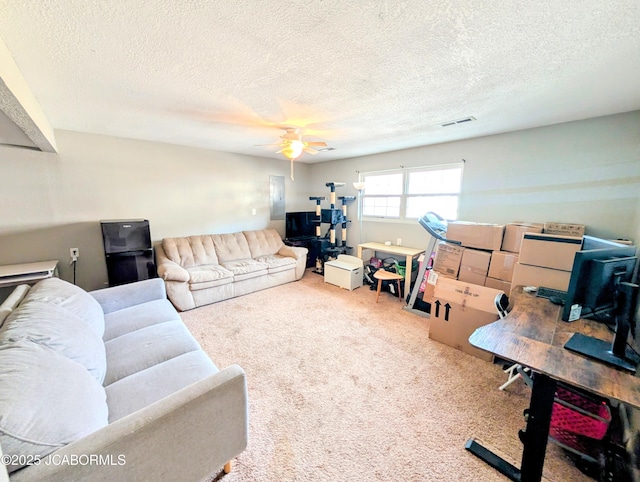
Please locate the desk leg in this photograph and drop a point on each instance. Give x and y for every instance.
(535, 437)
(360, 252)
(407, 276)
(537, 434)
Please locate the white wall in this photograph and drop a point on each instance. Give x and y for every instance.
(585, 172)
(51, 202)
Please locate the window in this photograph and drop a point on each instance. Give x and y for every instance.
(407, 194)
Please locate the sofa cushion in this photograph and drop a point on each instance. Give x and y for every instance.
(59, 329)
(146, 347)
(246, 268)
(190, 251)
(46, 400)
(231, 247)
(263, 242)
(207, 273)
(72, 298)
(277, 263)
(147, 386)
(135, 317)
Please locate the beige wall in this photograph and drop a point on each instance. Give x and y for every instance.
(584, 172)
(52, 202)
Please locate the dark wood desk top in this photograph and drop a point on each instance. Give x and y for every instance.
(533, 335)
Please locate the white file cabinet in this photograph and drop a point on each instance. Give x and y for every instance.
(345, 272)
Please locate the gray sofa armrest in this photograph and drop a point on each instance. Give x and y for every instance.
(188, 435)
(118, 297)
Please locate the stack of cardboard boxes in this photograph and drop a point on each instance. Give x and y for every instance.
(490, 261)
(517, 253)
(546, 260)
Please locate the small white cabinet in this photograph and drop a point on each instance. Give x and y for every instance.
(345, 272)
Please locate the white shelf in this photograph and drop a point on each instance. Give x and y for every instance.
(15, 274)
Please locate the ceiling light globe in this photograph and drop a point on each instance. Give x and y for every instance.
(293, 150)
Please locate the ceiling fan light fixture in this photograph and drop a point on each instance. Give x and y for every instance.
(292, 150)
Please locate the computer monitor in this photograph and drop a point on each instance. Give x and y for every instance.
(601, 287)
(589, 294)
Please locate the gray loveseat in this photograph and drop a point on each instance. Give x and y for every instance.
(204, 269)
(110, 385)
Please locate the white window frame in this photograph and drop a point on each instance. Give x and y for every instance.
(403, 218)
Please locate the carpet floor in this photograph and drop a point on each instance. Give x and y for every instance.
(344, 389)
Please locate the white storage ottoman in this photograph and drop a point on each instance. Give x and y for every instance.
(345, 272)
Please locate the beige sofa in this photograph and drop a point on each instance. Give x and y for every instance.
(204, 269)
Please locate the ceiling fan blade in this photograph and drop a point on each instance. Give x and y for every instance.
(309, 150)
(319, 144)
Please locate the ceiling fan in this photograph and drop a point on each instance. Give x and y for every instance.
(292, 146)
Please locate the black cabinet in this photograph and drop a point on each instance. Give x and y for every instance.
(319, 248)
(128, 251)
(306, 242)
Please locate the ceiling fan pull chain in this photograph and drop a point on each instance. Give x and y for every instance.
(292, 170)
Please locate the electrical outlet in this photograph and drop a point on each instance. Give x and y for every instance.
(74, 253)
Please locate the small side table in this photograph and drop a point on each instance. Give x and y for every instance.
(383, 275)
(29, 273)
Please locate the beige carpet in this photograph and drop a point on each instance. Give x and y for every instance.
(342, 389)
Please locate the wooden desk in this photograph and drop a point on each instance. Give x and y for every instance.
(15, 274)
(408, 253)
(533, 335)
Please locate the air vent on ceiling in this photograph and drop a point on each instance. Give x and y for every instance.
(459, 121)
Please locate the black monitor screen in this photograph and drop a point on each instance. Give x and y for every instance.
(591, 290)
(300, 224)
(601, 287)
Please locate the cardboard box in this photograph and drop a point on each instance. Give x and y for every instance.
(513, 232)
(457, 310)
(430, 285)
(447, 259)
(474, 266)
(476, 235)
(549, 250)
(527, 275)
(498, 284)
(566, 229)
(502, 265)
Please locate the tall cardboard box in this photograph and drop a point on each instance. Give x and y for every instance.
(458, 308)
(474, 266)
(476, 235)
(447, 259)
(513, 233)
(502, 265)
(549, 250)
(498, 284)
(527, 275)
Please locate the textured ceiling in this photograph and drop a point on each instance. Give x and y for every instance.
(364, 76)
